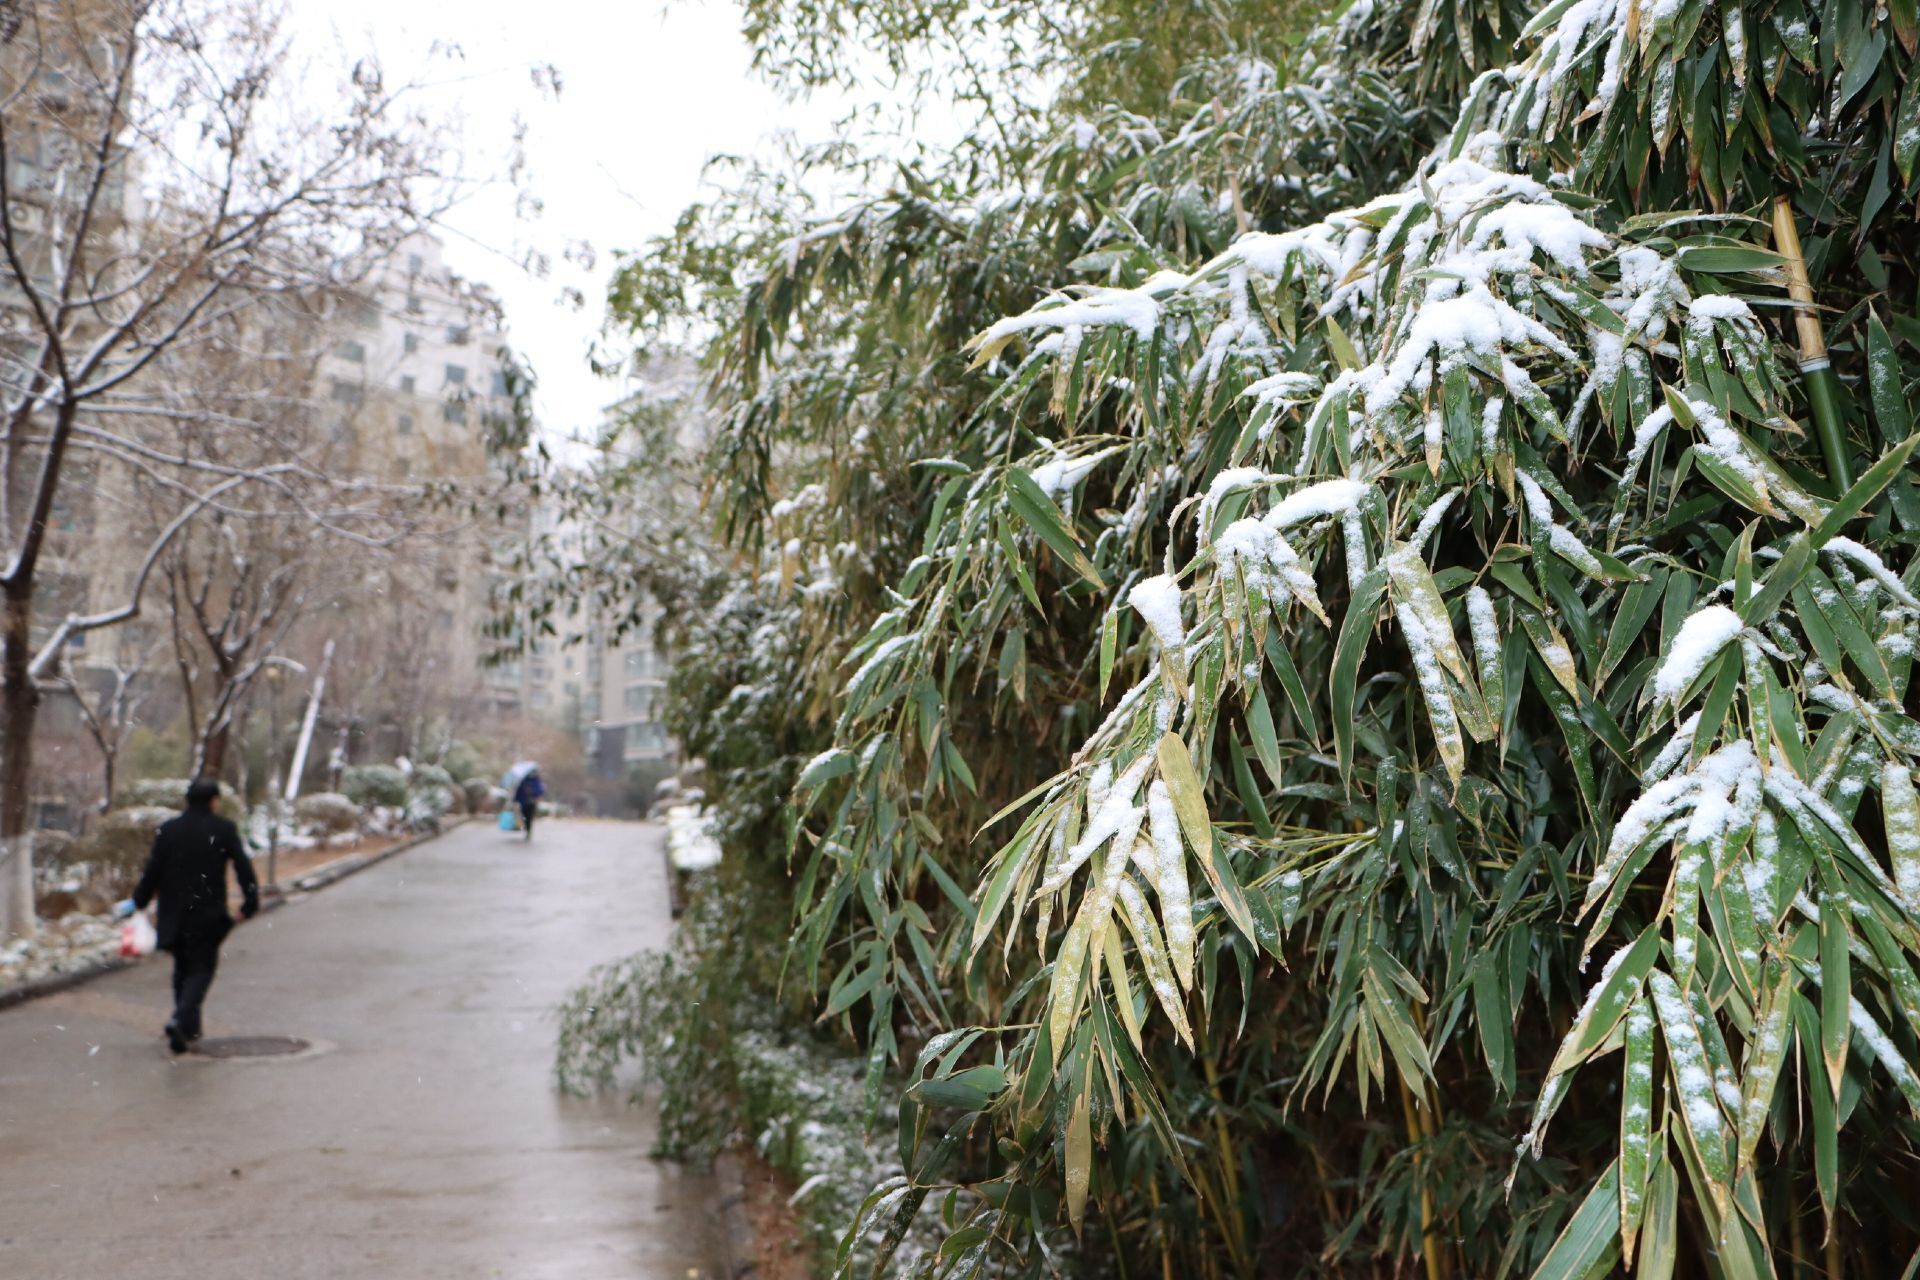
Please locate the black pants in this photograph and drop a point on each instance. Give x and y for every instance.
(195, 957)
(526, 818)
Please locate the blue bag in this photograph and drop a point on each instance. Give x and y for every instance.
(507, 821)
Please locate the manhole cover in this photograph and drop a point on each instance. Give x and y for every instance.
(252, 1047)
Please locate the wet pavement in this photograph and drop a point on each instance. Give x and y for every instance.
(417, 1136)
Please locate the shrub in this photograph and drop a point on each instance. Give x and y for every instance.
(371, 784)
(426, 806)
(463, 763)
(171, 793)
(56, 848)
(119, 843)
(327, 813)
(482, 796)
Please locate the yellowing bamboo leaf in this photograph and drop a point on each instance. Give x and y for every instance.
(1153, 958)
(1183, 785)
(1413, 587)
(1122, 989)
(1079, 1151)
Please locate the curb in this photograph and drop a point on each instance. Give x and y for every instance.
(332, 873)
(736, 1233)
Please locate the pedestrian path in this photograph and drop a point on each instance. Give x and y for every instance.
(417, 1137)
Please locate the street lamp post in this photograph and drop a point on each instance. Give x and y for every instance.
(277, 668)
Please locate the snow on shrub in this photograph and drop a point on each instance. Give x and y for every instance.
(327, 813)
(171, 793)
(690, 842)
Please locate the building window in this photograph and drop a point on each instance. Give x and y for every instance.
(456, 375)
(500, 382)
(459, 335)
(640, 700)
(454, 411)
(414, 264)
(405, 425)
(354, 351)
(410, 343)
(406, 383)
(413, 304)
(346, 392)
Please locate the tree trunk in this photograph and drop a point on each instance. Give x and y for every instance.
(213, 751)
(19, 706)
(109, 763)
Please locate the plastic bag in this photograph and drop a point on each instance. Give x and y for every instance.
(137, 937)
(507, 821)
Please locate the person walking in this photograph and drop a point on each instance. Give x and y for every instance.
(526, 797)
(187, 871)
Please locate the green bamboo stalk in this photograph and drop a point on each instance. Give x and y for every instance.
(1815, 368)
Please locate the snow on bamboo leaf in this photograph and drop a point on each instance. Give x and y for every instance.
(1136, 310)
(1267, 564)
(1868, 1029)
(1088, 927)
(1170, 879)
(1700, 639)
(1848, 550)
(1157, 600)
(1766, 1054)
(1901, 807)
(1723, 793)
(1636, 1120)
(1428, 632)
(1693, 1084)
(1115, 814)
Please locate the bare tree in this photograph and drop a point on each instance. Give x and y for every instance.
(230, 605)
(109, 707)
(158, 180)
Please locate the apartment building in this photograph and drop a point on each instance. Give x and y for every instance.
(414, 371)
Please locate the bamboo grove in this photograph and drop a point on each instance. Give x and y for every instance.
(1358, 622)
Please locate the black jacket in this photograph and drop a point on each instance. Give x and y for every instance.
(188, 870)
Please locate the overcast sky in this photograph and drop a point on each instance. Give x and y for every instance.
(649, 91)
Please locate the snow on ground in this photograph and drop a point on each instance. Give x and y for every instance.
(76, 941)
(690, 842)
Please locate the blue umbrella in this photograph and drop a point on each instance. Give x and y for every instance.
(510, 780)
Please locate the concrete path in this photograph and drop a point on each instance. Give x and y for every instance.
(423, 1140)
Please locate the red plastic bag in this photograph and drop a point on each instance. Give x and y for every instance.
(137, 937)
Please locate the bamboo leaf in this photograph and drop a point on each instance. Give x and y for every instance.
(1031, 503)
(1607, 1001)
(1692, 1077)
(1636, 1120)
(1079, 1153)
(1660, 1242)
(1766, 1055)
(1900, 807)
(1591, 1237)
(1836, 985)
